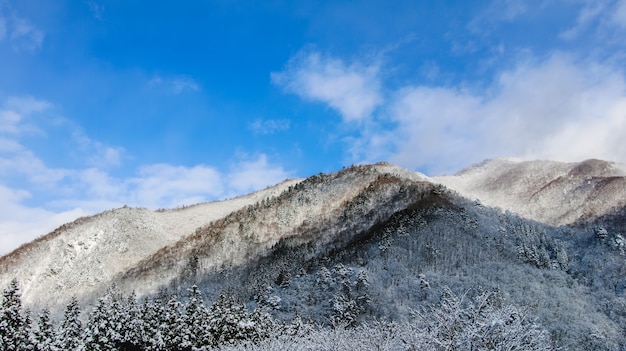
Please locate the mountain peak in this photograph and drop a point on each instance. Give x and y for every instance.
(555, 193)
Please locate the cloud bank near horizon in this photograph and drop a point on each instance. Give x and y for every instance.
(558, 108)
(82, 191)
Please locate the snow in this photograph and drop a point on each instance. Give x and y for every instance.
(88, 254)
(83, 258)
(552, 192)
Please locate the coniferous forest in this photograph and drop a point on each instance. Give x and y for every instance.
(166, 322)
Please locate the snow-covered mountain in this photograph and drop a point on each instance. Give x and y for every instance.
(375, 233)
(84, 257)
(551, 192)
(135, 245)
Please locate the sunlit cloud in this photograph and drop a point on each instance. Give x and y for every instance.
(254, 174)
(353, 90)
(557, 109)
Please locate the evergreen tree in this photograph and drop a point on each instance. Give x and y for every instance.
(261, 326)
(14, 324)
(44, 338)
(177, 334)
(69, 333)
(153, 324)
(197, 319)
(227, 320)
(103, 330)
(131, 324)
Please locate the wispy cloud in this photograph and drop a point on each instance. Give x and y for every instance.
(3, 27)
(19, 32)
(269, 126)
(100, 154)
(353, 90)
(20, 223)
(96, 9)
(174, 85)
(15, 113)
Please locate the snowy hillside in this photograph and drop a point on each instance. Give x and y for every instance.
(83, 257)
(367, 243)
(550, 192)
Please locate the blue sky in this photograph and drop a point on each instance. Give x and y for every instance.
(159, 104)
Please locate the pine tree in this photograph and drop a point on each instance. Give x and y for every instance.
(227, 320)
(103, 330)
(176, 335)
(131, 324)
(44, 338)
(69, 333)
(14, 324)
(197, 319)
(153, 324)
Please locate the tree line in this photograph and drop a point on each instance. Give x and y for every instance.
(119, 322)
(163, 322)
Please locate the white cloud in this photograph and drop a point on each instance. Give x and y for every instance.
(20, 224)
(353, 90)
(589, 12)
(605, 19)
(252, 175)
(557, 109)
(16, 109)
(26, 36)
(19, 32)
(100, 155)
(9, 121)
(57, 195)
(72, 193)
(163, 185)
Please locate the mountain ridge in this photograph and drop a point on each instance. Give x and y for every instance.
(556, 193)
(304, 245)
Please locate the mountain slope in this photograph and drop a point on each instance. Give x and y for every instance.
(322, 209)
(83, 257)
(373, 241)
(551, 192)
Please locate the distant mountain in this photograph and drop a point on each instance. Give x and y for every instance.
(373, 241)
(551, 192)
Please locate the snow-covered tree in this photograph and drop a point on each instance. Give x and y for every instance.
(228, 320)
(197, 318)
(176, 334)
(131, 324)
(479, 323)
(153, 325)
(44, 337)
(100, 332)
(14, 324)
(70, 330)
